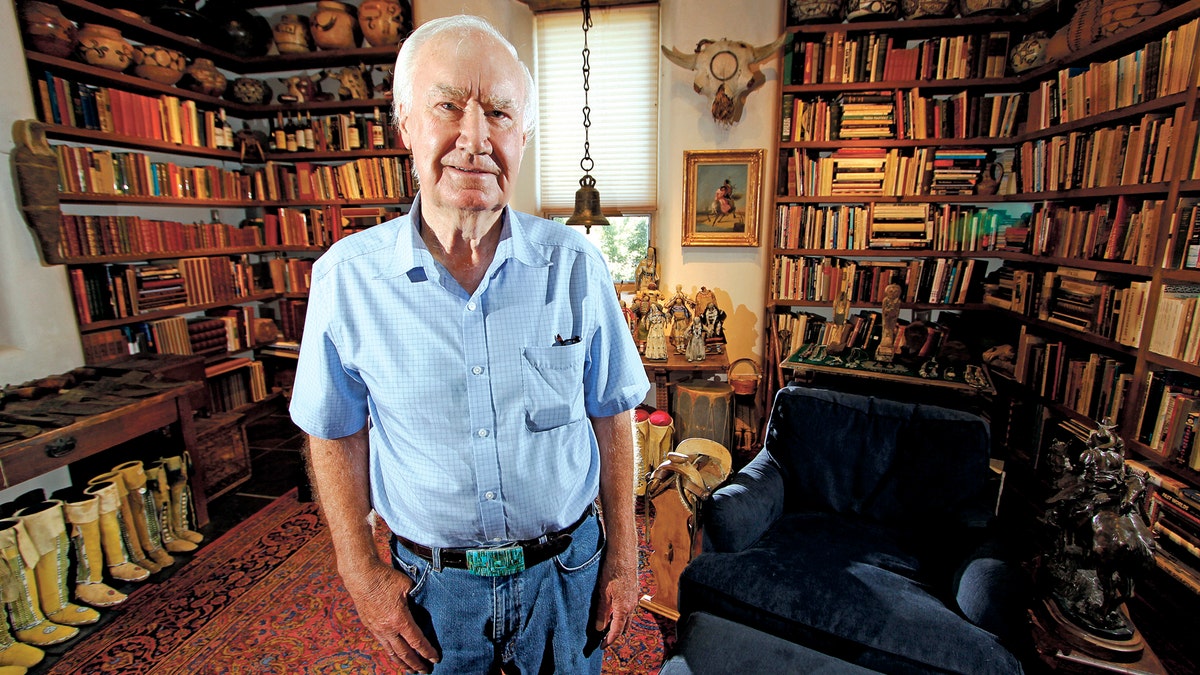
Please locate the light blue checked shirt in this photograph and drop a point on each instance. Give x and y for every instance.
(479, 432)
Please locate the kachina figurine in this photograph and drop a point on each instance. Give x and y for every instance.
(656, 334)
(646, 273)
(679, 309)
(695, 346)
(714, 329)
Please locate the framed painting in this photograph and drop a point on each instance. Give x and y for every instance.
(721, 194)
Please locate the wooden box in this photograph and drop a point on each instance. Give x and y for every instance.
(222, 455)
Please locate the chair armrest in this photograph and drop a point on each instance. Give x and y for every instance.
(738, 513)
(992, 590)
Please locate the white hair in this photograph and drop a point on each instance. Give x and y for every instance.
(465, 26)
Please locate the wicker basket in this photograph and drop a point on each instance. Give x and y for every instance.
(744, 383)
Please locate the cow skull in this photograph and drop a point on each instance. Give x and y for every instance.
(726, 72)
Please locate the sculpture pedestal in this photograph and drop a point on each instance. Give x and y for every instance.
(1066, 648)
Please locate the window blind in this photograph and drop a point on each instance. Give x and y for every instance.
(623, 96)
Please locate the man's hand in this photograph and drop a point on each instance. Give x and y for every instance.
(618, 588)
(380, 595)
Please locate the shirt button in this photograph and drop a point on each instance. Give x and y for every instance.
(482, 433)
(497, 539)
(471, 306)
(477, 370)
(490, 495)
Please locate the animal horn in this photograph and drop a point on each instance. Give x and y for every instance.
(679, 58)
(761, 53)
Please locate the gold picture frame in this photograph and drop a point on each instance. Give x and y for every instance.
(721, 197)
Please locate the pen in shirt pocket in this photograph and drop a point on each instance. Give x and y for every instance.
(560, 342)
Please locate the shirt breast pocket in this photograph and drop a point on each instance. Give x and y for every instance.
(552, 378)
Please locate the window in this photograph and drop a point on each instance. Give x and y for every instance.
(623, 96)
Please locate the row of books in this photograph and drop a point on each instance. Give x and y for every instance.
(1081, 380)
(364, 178)
(234, 383)
(903, 114)
(291, 318)
(220, 330)
(1183, 240)
(876, 57)
(922, 280)
(290, 275)
(83, 170)
(1177, 323)
(948, 227)
(878, 172)
(1081, 159)
(1159, 68)
(113, 291)
(1118, 229)
(91, 235)
(1173, 512)
(159, 118)
(1168, 397)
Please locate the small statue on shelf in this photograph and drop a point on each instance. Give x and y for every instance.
(891, 313)
(714, 329)
(695, 345)
(250, 140)
(352, 82)
(704, 298)
(680, 311)
(656, 334)
(647, 272)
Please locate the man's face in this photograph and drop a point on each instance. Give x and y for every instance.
(465, 128)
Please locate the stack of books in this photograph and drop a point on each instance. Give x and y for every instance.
(956, 170)
(900, 226)
(865, 115)
(858, 171)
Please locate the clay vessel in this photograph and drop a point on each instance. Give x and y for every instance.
(159, 64)
(1030, 52)
(250, 91)
(104, 47)
(973, 7)
(385, 22)
(873, 10)
(203, 77)
(334, 26)
(180, 16)
(925, 9)
(291, 34)
(810, 11)
(47, 30)
(1119, 15)
(238, 30)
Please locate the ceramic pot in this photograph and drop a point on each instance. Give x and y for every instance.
(238, 30)
(250, 91)
(1118, 15)
(385, 22)
(203, 77)
(925, 9)
(159, 64)
(334, 26)
(810, 11)
(104, 47)
(291, 34)
(181, 17)
(132, 15)
(872, 9)
(973, 7)
(1030, 52)
(47, 30)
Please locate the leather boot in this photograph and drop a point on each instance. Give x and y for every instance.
(145, 515)
(112, 539)
(183, 510)
(641, 434)
(21, 597)
(83, 515)
(660, 438)
(15, 657)
(159, 494)
(48, 532)
(125, 517)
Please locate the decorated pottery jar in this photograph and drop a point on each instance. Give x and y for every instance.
(158, 64)
(925, 9)
(103, 47)
(291, 34)
(47, 30)
(385, 22)
(1118, 15)
(973, 7)
(334, 25)
(809, 11)
(1029, 52)
(871, 9)
(250, 91)
(203, 77)
(238, 29)
(180, 16)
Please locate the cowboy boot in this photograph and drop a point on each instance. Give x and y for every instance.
(21, 595)
(660, 438)
(641, 431)
(125, 517)
(48, 532)
(145, 514)
(15, 657)
(84, 516)
(159, 495)
(112, 540)
(183, 511)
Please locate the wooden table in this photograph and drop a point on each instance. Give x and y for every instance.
(660, 373)
(56, 448)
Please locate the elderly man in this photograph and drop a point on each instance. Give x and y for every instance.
(466, 372)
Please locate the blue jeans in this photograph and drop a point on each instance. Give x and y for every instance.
(538, 621)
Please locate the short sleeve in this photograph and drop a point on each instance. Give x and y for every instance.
(614, 378)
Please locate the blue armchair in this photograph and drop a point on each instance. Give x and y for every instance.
(863, 531)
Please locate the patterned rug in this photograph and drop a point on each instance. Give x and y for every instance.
(266, 598)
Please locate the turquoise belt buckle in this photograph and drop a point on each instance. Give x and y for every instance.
(495, 562)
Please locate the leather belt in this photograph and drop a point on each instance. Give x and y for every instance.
(500, 561)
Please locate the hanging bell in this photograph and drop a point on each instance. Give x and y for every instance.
(587, 205)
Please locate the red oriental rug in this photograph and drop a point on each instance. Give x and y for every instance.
(266, 598)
